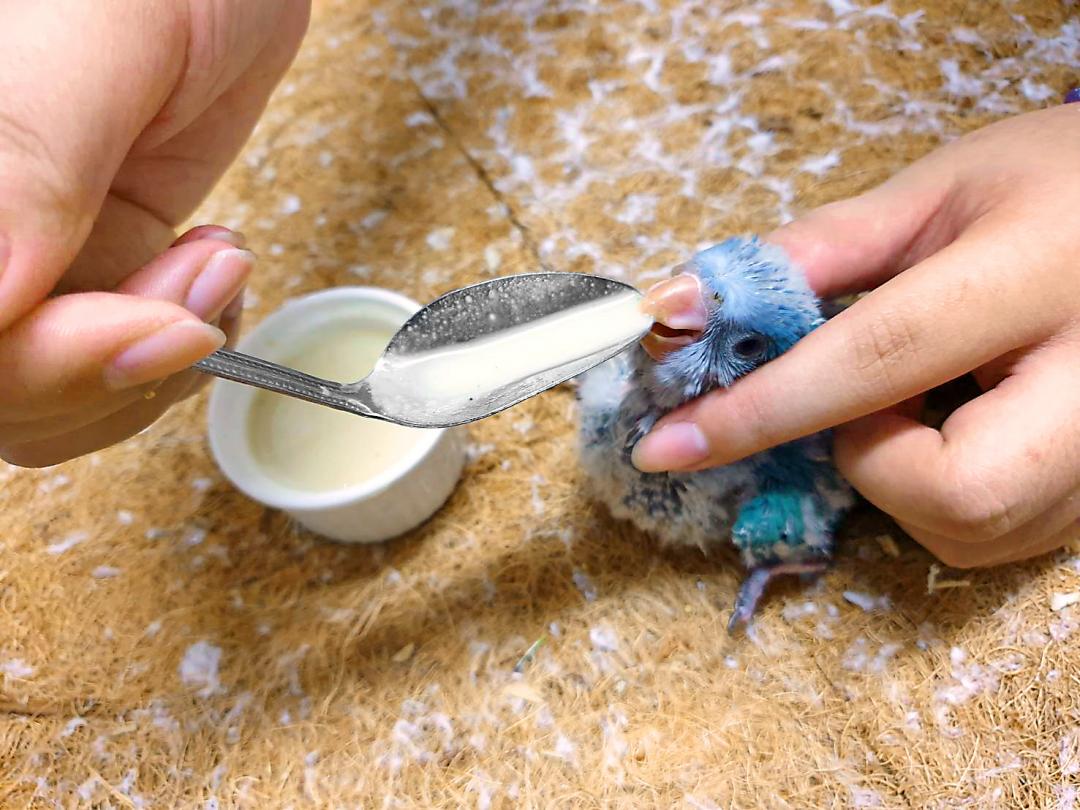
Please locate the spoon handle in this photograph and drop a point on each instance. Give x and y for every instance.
(243, 368)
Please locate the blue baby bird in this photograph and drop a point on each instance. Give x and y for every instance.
(742, 304)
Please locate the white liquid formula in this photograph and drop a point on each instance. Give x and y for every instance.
(313, 448)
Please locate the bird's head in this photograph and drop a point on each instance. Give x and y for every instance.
(727, 311)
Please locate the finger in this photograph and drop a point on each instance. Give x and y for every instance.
(60, 148)
(125, 238)
(230, 323)
(59, 439)
(206, 278)
(232, 318)
(1059, 526)
(999, 461)
(202, 276)
(216, 232)
(137, 413)
(78, 350)
(1068, 536)
(885, 348)
(115, 427)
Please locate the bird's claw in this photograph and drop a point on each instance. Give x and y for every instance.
(754, 585)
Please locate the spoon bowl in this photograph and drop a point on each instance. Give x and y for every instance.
(472, 352)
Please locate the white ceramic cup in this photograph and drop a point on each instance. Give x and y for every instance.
(396, 500)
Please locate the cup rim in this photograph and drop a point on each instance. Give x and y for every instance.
(260, 486)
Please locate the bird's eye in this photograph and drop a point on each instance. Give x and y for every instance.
(751, 347)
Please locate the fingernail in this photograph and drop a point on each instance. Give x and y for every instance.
(221, 278)
(677, 303)
(169, 350)
(235, 307)
(218, 233)
(234, 238)
(672, 447)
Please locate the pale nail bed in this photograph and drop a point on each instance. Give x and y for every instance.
(160, 354)
(219, 282)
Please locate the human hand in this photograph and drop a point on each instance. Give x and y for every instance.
(972, 255)
(116, 118)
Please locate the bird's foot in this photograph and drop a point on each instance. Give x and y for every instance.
(754, 585)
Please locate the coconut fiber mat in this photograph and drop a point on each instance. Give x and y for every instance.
(168, 643)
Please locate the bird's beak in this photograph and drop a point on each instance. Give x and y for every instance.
(677, 305)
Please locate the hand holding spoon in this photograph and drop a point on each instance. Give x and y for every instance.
(472, 352)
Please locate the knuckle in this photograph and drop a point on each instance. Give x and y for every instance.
(882, 349)
(974, 510)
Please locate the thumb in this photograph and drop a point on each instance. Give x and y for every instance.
(78, 83)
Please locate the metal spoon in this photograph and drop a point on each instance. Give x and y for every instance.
(489, 312)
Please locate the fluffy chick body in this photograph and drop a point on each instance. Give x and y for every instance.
(781, 507)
